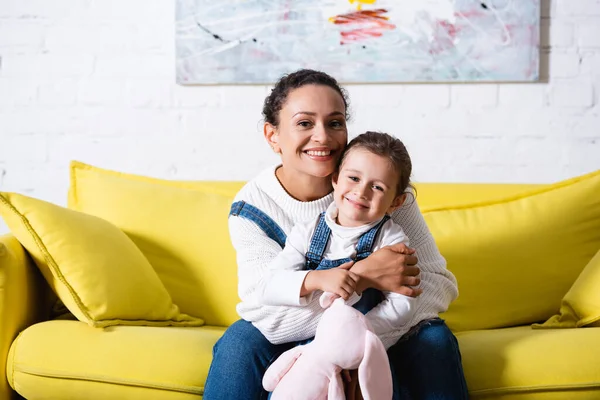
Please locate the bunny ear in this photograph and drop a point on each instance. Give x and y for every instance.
(374, 374)
(280, 367)
(327, 299)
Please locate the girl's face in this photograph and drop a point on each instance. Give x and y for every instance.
(312, 131)
(364, 189)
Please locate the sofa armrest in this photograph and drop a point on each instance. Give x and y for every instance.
(24, 299)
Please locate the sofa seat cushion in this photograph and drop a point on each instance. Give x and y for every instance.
(523, 363)
(63, 359)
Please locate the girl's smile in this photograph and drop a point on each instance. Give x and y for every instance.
(355, 203)
(364, 189)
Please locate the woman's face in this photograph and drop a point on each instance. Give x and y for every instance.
(312, 131)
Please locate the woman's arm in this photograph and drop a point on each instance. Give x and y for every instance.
(429, 257)
(391, 268)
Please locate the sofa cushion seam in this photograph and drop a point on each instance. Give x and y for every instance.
(104, 379)
(525, 389)
(12, 359)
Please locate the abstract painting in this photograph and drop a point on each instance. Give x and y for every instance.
(357, 41)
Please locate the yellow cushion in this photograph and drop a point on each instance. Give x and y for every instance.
(22, 295)
(435, 195)
(516, 258)
(92, 266)
(581, 305)
(63, 359)
(181, 227)
(522, 363)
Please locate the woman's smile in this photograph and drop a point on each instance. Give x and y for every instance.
(320, 154)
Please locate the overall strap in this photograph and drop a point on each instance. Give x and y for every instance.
(365, 244)
(264, 222)
(318, 242)
(328, 264)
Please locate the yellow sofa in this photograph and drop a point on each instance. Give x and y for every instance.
(514, 249)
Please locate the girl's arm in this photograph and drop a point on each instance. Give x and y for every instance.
(391, 268)
(396, 310)
(283, 284)
(438, 285)
(255, 251)
(287, 283)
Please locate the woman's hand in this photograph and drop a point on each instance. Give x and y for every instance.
(391, 268)
(340, 281)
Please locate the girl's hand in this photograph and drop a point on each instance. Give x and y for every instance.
(340, 280)
(391, 268)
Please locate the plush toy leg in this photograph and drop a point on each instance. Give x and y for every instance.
(336, 388)
(280, 367)
(374, 374)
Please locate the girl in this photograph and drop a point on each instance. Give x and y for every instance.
(305, 123)
(369, 185)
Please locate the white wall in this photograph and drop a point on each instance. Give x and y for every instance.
(94, 80)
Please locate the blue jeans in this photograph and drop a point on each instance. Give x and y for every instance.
(426, 364)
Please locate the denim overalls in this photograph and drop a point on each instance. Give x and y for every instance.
(314, 257)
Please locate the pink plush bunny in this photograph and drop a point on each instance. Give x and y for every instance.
(344, 340)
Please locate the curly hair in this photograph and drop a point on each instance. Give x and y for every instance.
(275, 100)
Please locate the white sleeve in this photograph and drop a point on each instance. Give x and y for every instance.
(283, 281)
(423, 308)
(396, 310)
(441, 284)
(390, 233)
(255, 251)
(438, 284)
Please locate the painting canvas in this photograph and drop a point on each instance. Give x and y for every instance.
(357, 41)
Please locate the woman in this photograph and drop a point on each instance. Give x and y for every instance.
(305, 122)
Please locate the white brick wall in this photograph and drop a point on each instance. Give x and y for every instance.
(94, 80)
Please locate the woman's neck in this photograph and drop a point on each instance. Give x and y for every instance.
(304, 187)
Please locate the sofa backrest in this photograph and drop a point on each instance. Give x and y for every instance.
(181, 227)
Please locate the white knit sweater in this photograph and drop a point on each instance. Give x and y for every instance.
(255, 250)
